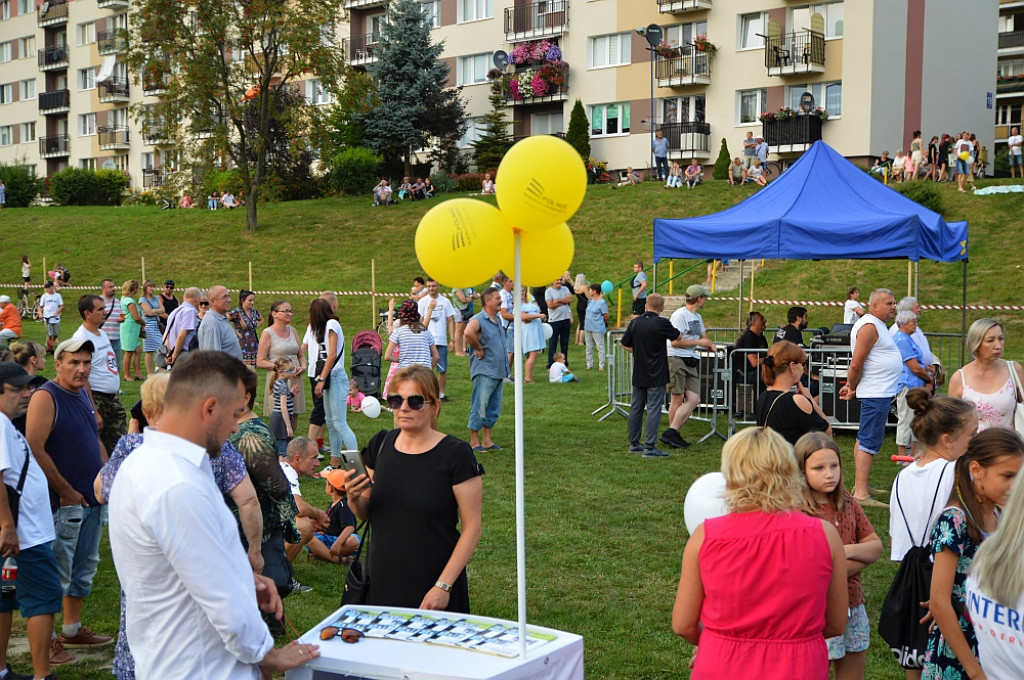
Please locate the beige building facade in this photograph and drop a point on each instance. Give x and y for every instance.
(1009, 70)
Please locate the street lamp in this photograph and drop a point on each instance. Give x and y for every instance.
(653, 35)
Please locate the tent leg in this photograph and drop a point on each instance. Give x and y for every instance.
(739, 305)
(963, 316)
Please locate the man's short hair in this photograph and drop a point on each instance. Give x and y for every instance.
(104, 281)
(906, 304)
(192, 293)
(329, 296)
(795, 313)
(87, 303)
(298, 447)
(655, 302)
(877, 292)
(488, 294)
(201, 374)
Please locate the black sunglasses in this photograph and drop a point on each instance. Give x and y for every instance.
(204, 304)
(415, 401)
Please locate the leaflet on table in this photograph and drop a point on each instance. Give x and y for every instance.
(479, 636)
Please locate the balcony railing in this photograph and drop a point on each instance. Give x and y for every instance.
(55, 101)
(1010, 84)
(536, 20)
(796, 131)
(1011, 39)
(688, 139)
(795, 53)
(360, 50)
(155, 132)
(114, 90)
(53, 146)
(364, 4)
(52, 13)
(680, 6)
(110, 42)
(689, 66)
(555, 86)
(53, 57)
(155, 83)
(151, 178)
(113, 4)
(113, 137)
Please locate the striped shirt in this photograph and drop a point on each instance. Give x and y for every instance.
(281, 389)
(413, 348)
(112, 326)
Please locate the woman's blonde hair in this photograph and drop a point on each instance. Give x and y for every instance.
(130, 287)
(760, 472)
(152, 393)
(999, 562)
(976, 333)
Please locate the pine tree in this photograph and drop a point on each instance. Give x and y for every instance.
(579, 131)
(496, 140)
(415, 102)
(723, 162)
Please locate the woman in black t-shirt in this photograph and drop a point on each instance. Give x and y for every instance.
(790, 412)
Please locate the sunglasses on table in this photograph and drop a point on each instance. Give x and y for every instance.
(349, 635)
(415, 401)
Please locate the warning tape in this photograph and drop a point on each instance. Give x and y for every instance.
(832, 303)
(257, 292)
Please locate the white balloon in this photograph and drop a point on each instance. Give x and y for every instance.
(704, 500)
(370, 407)
(548, 331)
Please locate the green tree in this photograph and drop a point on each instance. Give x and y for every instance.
(722, 163)
(495, 140)
(415, 105)
(579, 131)
(223, 61)
(20, 184)
(342, 127)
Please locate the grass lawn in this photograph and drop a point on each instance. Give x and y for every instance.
(605, 530)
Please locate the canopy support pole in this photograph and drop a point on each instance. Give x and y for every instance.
(963, 316)
(739, 305)
(519, 458)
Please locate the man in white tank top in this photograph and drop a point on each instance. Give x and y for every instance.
(873, 378)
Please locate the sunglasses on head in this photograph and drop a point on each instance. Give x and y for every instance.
(415, 401)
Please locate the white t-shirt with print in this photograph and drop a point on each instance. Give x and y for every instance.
(293, 478)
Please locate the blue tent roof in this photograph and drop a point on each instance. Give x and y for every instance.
(822, 208)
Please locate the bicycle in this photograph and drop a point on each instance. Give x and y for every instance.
(772, 169)
(26, 310)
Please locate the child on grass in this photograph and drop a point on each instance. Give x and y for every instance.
(355, 397)
(282, 417)
(825, 497)
(559, 372)
(338, 542)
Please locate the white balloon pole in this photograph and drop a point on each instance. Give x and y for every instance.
(520, 497)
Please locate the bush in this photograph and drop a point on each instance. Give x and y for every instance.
(578, 134)
(223, 180)
(470, 181)
(1001, 163)
(443, 184)
(354, 170)
(20, 185)
(75, 186)
(925, 193)
(723, 162)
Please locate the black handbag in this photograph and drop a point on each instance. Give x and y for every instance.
(899, 622)
(357, 580)
(14, 494)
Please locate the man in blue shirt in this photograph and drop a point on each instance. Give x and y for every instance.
(488, 368)
(595, 325)
(660, 148)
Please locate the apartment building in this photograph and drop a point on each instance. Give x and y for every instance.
(879, 68)
(65, 92)
(1009, 69)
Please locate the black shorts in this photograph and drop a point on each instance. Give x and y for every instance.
(317, 416)
(638, 306)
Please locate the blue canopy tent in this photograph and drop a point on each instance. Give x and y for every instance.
(822, 208)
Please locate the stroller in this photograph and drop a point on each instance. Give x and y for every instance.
(366, 350)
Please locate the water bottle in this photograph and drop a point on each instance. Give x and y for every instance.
(9, 579)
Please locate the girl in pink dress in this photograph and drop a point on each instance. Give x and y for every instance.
(763, 586)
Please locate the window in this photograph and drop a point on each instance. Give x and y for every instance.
(146, 160)
(87, 124)
(683, 34)
(87, 163)
(1008, 114)
(432, 12)
(27, 47)
(1009, 67)
(831, 12)
(546, 123)
(828, 96)
(86, 33)
(26, 6)
(608, 50)
(750, 26)
(87, 78)
(473, 69)
(474, 10)
(474, 131)
(683, 109)
(27, 89)
(750, 104)
(609, 119)
(375, 25)
(5, 52)
(28, 132)
(6, 138)
(5, 9)
(121, 163)
(316, 93)
(7, 93)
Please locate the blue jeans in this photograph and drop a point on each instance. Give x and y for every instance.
(486, 402)
(335, 409)
(39, 590)
(77, 547)
(661, 163)
(653, 399)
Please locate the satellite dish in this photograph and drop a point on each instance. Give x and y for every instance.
(654, 35)
(807, 102)
(500, 59)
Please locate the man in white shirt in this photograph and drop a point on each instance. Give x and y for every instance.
(1013, 143)
(176, 544)
(51, 306)
(441, 325)
(684, 364)
(104, 378)
(301, 460)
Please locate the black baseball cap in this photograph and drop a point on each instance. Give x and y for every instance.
(169, 282)
(48, 284)
(12, 373)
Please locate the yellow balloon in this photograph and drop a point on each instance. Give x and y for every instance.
(545, 254)
(461, 242)
(540, 183)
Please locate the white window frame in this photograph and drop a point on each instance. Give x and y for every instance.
(820, 93)
(761, 94)
(317, 94)
(87, 164)
(5, 10)
(474, 132)
(756, 42)
(609, 51)
(26, 7)
(547, 119)
(27, 89)
(7, 93)
(432, 10)
(6, 135)
(472, 69)
(376, 24)
(691, 108)
(27, 47)
(821, 8)
(676, 35)
(28, 132)
(623, 114)
(6, 50)
(474, 10)
(87, 79)
(85, 33)
(86, 124)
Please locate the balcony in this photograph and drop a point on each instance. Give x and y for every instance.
(688, 66)
(688, 140)
(364, 4)
(113, 4)
(54, 102)
(797, 53)
(110, 42)
(680, 6)
(537, 85)
(1012, 40)
(155, 84)
(360, 50)
(52, 13)
(156, 132)
(151, 178)
(53, 58)
(55, 146)
(114, 90)
(1010, 85)
(113, 138)
(543, 19)
(795, 133)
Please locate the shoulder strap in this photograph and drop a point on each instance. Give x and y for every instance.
(1016, 381)
(24, 467)
(935, 495)
(781, 395)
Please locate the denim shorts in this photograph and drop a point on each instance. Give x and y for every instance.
(856, 638)
(77, 547)
(874, 413)
(442, 358)
(39, 589)
(1016, 159)
(962, 167)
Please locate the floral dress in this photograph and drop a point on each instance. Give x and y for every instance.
(246, 324)
(950, 533)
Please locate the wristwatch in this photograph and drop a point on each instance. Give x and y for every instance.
(443, 586)
(318, 379)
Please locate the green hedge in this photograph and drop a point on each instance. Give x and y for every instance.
(75, 186)
(20, 185)
(354, 170)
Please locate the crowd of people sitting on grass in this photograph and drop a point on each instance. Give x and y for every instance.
(948, 158)
(417, 189)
